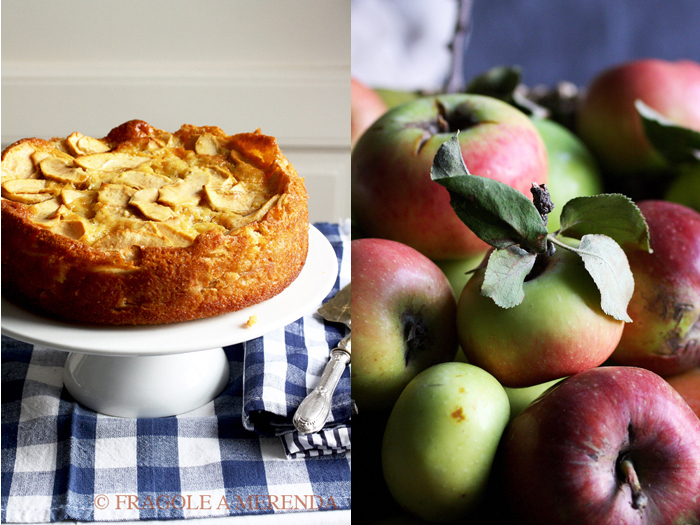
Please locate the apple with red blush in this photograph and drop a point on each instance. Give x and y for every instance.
(608, 120)
(403, 311)
(558, 329)
(687, 384)
(542, 305)
(665, 308)
(393, 196)
(366, 106)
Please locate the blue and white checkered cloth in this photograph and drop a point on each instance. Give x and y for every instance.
(282, 367)
(61, 461)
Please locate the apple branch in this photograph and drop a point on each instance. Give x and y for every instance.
(455, 81)
(629, 474)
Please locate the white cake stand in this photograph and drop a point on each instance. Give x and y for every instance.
(165, 370)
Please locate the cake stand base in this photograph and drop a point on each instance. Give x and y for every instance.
(146, 386)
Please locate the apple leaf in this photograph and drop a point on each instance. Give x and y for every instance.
(607, 263)
(611, 214)
(505, 274)
(503, 82)
(498, 82)
(498, 214)
(676, 143)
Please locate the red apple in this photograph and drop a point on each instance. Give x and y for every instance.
(403, 314)
(687, 384)
(366, 106)
(608, 121)
(665, 308)
(611, 445)
(393, 196)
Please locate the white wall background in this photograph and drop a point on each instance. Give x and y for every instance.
(280, 65)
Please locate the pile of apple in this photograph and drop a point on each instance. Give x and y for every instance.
(526, 339)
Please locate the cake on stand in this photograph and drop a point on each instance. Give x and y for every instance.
(166, 370)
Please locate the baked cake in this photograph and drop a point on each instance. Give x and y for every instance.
(144, 226)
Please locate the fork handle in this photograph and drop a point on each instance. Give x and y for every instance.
(312, 413)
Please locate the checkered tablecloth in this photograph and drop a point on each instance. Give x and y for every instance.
(61, 461)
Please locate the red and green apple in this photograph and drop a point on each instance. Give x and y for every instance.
(665, 308)
(366, 106)
(557, 330)
(609, 123)
(393, 195)
(403, 313)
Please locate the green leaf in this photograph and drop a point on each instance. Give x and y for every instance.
(675, 142)
(611, 214)
(505, 274)
(608, 265)
(498, 214)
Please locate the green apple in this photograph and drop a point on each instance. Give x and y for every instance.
(395, 97)
(573, 171)
(441, 440)
(685, 189)
(521, 398)
(557, 330)
(459, 271)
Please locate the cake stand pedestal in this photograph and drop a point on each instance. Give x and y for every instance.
(146, 386)
(166, 370)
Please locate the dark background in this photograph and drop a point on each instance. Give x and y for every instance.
(572, 40)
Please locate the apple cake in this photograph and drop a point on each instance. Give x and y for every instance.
(144, 226)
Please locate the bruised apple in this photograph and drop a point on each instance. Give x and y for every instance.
(441, 440)
(665, 307)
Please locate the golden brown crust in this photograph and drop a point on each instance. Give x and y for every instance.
(69, 268)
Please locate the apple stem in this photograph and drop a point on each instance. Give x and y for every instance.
(455, 82)
(639, 499)
(542, 200)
